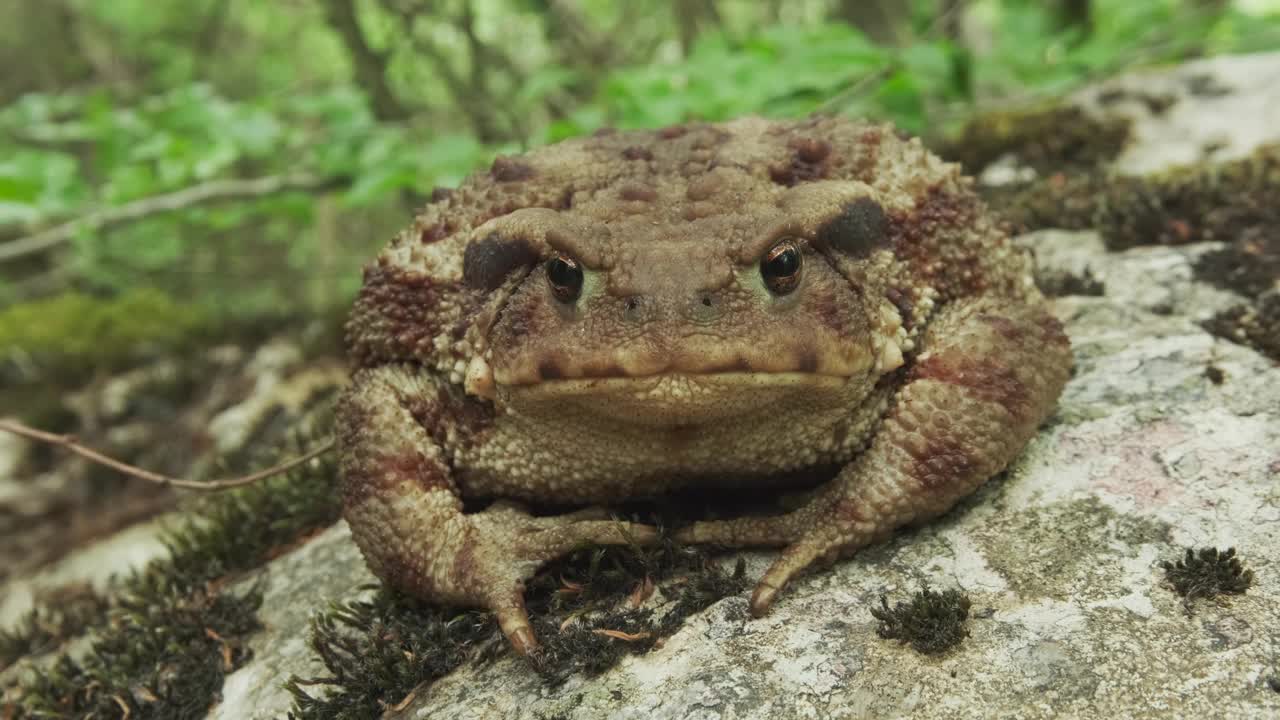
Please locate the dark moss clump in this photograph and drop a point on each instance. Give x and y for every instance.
(1214, 374)
(584, 608)
(584, 630)
(1256, 325)
(378, 651)
(1047, 139)
(1231, 202)
(1064, 201)
(1207, 574)
(55, 619)
(173, 631)
(164, 655)
(1250, 265)
(932, 622)
(1058, 284)
(1193, 203)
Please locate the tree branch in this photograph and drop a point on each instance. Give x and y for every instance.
(477, 108)
(370, 65)
(68, 442)
(217, 191)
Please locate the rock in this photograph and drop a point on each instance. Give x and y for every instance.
(298, 585)
(1209, 110)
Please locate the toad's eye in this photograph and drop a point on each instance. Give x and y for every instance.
(564, 274)
(780, 267)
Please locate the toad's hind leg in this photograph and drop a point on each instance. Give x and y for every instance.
(406, 515)
(988, 375)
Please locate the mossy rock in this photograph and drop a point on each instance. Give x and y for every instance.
(1048, 139)
(72, 335)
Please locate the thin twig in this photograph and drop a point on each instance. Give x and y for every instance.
(69, 442)
(207, 193)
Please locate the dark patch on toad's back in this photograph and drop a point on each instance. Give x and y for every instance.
(487, 262)
(435, 233)
(637, 152)
(858, 230)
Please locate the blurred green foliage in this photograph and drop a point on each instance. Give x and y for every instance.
(390, 98)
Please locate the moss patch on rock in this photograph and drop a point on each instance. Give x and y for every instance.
(589, 610)
(1193, 203)
(74, 334)
(931, 622)
(173, 631)
(1207, 574)
(55, 619)
(1049, 139)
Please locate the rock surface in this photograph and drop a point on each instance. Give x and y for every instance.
(1209, 110)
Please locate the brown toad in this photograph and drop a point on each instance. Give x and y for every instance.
(720, 305)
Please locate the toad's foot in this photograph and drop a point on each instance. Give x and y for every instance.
(503, 546)
(406, 514)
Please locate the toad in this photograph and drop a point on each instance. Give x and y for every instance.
(720, 306)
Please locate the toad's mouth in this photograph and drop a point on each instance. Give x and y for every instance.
(671, 392)
(776, 365)
(693, 370)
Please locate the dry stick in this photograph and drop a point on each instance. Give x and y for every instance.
(69, 442)
(211, 192)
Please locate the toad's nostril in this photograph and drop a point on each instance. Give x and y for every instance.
(704, 308)
(633, 308)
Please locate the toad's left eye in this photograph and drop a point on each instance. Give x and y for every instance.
(564, 274)
(780, 267)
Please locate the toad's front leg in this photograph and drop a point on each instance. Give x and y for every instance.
(987, 376)
(405, 512)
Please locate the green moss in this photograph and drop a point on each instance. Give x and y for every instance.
(76, 334)
(55, 619)
(379, 651)
(932, 622)
(1049, 139)
(173, 631)
(1207, 574)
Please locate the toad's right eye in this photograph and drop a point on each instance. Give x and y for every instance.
(564, 275)
(780, 267)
